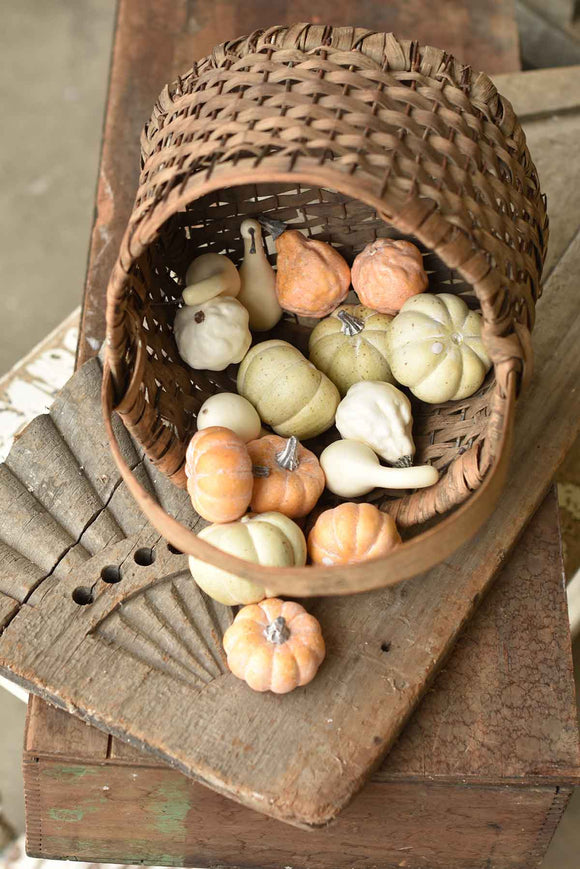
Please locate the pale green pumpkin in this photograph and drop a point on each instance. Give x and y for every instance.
(289, 393)
(351, 345)
(269, 538)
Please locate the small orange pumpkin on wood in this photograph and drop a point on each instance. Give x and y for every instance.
(312, 278)
(351, 533)
(274, 646)
(387, 273)
(287, 477)
(219, 474)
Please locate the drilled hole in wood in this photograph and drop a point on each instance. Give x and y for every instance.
(385, 647)
(174, 550)
(111, 574)
(144, 556)
(82, 595)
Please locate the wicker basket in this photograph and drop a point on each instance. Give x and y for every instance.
(348, 135)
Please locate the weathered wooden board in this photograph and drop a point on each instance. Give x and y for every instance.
(497, 730)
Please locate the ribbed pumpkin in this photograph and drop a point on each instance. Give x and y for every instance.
(351, 533)
(274, 645)
(219, 474)
(288, 392)
(351, 345)
(287, 477)
(269, 538)
(387, 273)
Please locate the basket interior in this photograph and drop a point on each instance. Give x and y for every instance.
(212, 224)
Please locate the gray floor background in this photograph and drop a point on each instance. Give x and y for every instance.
(54, 59)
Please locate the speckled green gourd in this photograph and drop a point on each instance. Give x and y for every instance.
(351, 345)
(287, 390)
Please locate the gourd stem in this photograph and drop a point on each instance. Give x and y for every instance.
(403, 462)
(288, 457)
(252, 232)
(277, 631)
(274, 227)
(351, 326)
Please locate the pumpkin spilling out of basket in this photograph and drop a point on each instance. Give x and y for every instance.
(312, 362)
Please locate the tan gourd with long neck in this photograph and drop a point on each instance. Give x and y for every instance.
(258, 292)
(352, 469)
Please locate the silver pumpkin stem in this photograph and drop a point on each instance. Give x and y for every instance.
(277, 631)
(351, 326)
(288, 457)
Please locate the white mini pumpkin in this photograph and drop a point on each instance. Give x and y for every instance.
(379, 415)
(351, 345)
(269, 539)
(214, 334)
(233, 411)
(435, 348)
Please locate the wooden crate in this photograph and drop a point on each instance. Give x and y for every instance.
(481, 773)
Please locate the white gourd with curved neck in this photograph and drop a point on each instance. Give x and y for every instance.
(258, 292)
(353, 469)
(208, 276)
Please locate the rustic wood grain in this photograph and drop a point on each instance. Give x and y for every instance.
(483, 35)
(465, 731)
(384, 648)
(175, 822)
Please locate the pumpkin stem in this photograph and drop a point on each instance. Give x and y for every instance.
(252, 232)
(404, 462)
(277, 631)
(274, 227)
(288, 457)
(351, 326)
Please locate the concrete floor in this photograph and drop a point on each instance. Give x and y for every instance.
(54, 57)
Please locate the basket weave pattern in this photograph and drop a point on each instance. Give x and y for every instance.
(348, 135)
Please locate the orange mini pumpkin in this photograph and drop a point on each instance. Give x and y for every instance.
(274, 645)
(219, 474)
(312, 277)
(387, 273)
(287, 477)
(351, 533)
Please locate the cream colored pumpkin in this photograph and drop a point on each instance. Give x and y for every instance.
(288, 392)
(351, 345)
(269, 538)
(435, 348)
(378, 414)
(230, 410)
(214, 334)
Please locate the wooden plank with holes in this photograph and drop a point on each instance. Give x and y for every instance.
(478, 774)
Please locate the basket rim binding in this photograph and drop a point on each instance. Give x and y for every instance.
(507, 340)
